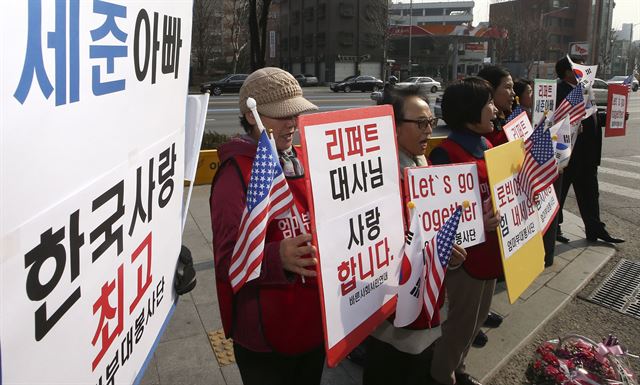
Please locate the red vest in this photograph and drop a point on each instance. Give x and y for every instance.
(483, 260)
(290, 315)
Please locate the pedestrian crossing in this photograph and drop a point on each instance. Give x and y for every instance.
(618, 176)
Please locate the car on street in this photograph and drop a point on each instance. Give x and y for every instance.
(621, 78)
(424, 82)
(358, 83)
(229, 83)
(306, 80)
(600, 90)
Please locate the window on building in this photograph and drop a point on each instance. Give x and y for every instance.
(346, 10)
(553, 38)
(395, 12)
(345, 39)
(569, 23)
(321, 39)
(322, 11)
(416, 12)
(308, 14)
(434, 12)
(295, 18)
(456, 11)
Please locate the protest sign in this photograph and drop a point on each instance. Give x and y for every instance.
(519, 127)
(436, 192)
(519, 232)
(617, 110)
(547, 206)
(352, 171)
(544, 98)
(89, 239)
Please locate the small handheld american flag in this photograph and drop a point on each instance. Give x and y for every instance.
(539, 168)
(268, 196)
(573, 105)
(516, 111)
(438, 256)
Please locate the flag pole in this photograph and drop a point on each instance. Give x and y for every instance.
(253, 106)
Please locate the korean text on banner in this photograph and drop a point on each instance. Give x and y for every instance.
(352, 171)
(544, 99)
(89, 239)
(519, 127)
(519, 231)
(617, 110)
(438, 190)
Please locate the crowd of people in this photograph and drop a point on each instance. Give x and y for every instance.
(275, 319)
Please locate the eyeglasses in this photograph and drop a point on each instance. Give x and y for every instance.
(423, 123)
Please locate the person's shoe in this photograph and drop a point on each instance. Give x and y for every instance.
(604, 236)
(493, 320)
(480, 339)
(466, 379)
(561, 238)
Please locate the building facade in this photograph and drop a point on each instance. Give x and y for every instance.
(443, 13)
(333, 39)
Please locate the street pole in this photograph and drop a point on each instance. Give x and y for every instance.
(410, 32)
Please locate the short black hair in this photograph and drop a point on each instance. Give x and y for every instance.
(248, 128)
(519, 86)
(463, 101)
(396, 96)
(494, 75)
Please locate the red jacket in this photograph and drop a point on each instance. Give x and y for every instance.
(275, 312)
(483, 261)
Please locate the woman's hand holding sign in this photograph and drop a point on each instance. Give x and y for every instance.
(292, 252)
(491, 219)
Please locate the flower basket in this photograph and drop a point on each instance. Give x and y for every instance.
(578, 360)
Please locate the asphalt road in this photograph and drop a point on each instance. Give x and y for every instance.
(223, 113)
(619, 177)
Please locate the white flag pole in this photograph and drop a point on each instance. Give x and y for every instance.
(253, 107)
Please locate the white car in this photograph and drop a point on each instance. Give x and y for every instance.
(423, 81)
(600, 90)
(621, 78)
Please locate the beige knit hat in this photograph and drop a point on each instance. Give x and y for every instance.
(277, 94)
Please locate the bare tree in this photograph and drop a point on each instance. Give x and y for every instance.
(236, 27)
(204, 40)
(605, 53)
(258, 16)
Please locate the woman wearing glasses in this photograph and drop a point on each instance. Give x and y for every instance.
(403, 355)
(468, 109)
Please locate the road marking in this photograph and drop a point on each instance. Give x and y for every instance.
(622, 161)
(619, 190)
(626, 174)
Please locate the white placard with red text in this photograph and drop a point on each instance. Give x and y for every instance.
(544, 99)
(438, 190)
(352, 171)
(519, 127)
(93, 120)
(547, 206)
(617, 110)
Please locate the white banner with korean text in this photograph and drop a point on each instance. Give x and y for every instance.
(544, 100)
(93, 143)
(438, 190)
(352, 171)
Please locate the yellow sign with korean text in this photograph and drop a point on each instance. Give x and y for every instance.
(520, 232)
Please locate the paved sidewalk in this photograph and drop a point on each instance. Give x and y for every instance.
(185, 356)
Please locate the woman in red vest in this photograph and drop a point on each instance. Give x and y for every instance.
(468, 110)
(275, 319)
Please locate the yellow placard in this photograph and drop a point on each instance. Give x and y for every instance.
(522, 255)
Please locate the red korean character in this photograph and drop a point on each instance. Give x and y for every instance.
(371, 135)
(510, 190)
(381, 250)
(142, 286)
(108, 312)
(501, 196)
(336, 136)
(364, 274)
(354, 140)
(347, 269)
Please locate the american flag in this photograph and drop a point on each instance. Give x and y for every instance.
(412, 275)
(514, 114)
(438, 255)
(540, 167)
(268, 196)
(573, 105)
